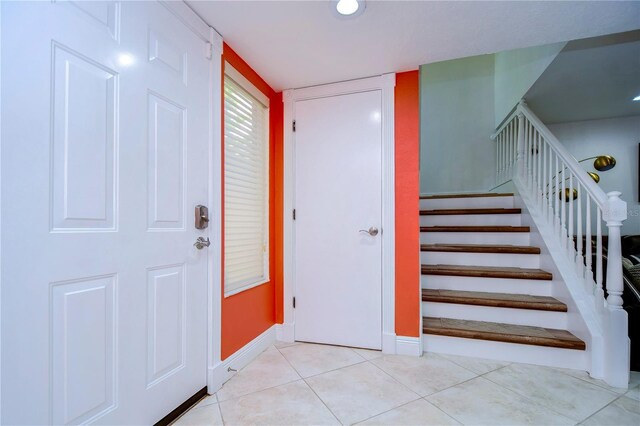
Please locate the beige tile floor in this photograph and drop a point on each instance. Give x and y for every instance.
(306, 384)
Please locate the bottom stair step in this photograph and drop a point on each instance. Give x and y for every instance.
(499, 332)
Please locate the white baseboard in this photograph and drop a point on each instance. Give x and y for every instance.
(406, 345)
(285, 332)
(219, 374)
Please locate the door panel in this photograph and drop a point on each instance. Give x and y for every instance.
(105, 133)
(338, 150)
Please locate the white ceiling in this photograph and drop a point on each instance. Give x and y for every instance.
(302, 43)
(589, 80)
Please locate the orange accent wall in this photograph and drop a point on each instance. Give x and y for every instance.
(407, 170)
(248, 314)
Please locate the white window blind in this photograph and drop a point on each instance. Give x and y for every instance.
(246, 188)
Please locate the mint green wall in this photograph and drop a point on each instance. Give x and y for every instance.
(456, 121)
(462, 101)
(516, 71)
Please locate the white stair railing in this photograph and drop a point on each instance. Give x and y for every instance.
(561, 192)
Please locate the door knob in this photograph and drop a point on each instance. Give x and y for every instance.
(371, 231)
(202, 243)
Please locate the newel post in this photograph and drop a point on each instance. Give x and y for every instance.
(614, 214)
(617, 321)
(520, 155)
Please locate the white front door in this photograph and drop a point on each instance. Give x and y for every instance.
(338, 199)
(105, 142)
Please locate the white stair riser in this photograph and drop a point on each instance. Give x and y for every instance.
(496, 238)
(471, 220)
(468, 203)
(511, 352)
(488, 285)
(530, 317)
(480, 259)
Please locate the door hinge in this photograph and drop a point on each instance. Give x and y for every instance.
(208, 50)
(294, 303)
(294, 214)
(293, 125)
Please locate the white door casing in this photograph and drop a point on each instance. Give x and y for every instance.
(338, 194)
(106, 143)
(385, 85)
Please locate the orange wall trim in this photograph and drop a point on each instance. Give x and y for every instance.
(407, 186)
(248, 314)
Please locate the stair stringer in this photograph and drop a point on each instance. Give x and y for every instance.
(582, 317)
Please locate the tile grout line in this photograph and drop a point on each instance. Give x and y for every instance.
(528, 398)
(491, 381)
(328, 371)
(588, 417)
(259, 390)
(619, 396)
(602, 386)
(397, 381)
(312, 389)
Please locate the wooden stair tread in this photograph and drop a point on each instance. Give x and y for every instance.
(475, 229)
(498, 300)
(499, 332)
(486, 272)
(442, 212)
(475, 195)
(479, 248)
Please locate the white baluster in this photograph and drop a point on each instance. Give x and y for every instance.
(599, 291)
(556, 185)
(571, 243)
(588, 242)
(502, 162)
(580, 256)
(540, 161)
(514, 142)
(534, 158)
(563, 203)
(509, 142)
(521, 170)
(507, 148)
(549, 181)
(527, 153)
(543, 181)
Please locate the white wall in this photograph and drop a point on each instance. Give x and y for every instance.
(618, 137)
(456, 122)
(516, 71)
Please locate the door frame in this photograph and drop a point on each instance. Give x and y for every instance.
(386, 84)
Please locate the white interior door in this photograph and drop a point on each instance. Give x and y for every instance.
(105, 112)
(338, 172)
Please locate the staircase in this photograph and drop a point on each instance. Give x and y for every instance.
(484, 292)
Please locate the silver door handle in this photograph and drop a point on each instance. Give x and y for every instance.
(202, 243)
(371, 231)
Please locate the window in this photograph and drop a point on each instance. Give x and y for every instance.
(246, 184)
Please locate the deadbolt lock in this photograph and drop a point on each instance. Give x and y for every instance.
(202, 217)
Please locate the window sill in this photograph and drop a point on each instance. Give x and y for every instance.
(246, 287)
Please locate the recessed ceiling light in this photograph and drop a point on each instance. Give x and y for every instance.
(637, 98)
(349, 8)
